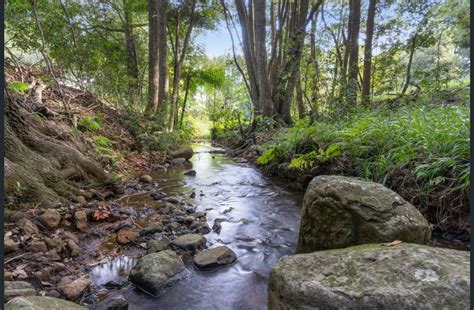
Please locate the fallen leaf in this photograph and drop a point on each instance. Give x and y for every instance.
(394, 242)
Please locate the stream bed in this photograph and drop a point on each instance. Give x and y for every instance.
(261, 225)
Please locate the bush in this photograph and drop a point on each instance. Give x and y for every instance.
(89, 122)
(422, 152)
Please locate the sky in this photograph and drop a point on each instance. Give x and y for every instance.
(216, 43)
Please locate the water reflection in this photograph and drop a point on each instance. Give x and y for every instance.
(115, 270)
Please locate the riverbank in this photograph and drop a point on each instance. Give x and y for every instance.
(409, 150)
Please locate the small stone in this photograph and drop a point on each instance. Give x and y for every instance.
(158, 245)
(158, 196)
(70, 235)
(81, 200)
(65, 281)
(146, 179)
(51, 218)
(178, 161)
(215, 257)
(200, 227)
(190, 242)
(76, 288)
(17, 288)
(189, 219)
(10, 246)
(54, 244)
(126, 235)
(191, 173)
(73, 248)
(217, 227)
(81, 220)
(44, 274)
(117, 303)
(52, 255)
(172, 200)
(199, 214)
(28, 227)
(158, 227)
(7, 275)
(184, 152)
(38, 246)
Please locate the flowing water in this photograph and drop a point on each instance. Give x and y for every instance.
(262, 219)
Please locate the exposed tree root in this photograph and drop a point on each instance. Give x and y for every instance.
(44, 163)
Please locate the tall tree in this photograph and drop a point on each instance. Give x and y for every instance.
(265, 102)
(153, 65)
(354, 16)
(163, 79)
(183, 16)
(368, 52)
(132, 61)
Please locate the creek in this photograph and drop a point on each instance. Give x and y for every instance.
(260, 224)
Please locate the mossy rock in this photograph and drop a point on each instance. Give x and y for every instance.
(372, 276)
(41, 303)
(341, 211)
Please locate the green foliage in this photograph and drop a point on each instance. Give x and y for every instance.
(105, 152)
(89, 122)
(429, 143)
(314, 157)
(102, 141)
(19, 87)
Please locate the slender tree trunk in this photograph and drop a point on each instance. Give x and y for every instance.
(185, 100)
(153, 65)
(163, 79)
(410, 61)
(132, 62)
(353, 54)
(261, 54)
(178, 63)
(299, 100)
(368, 53)
(248, 55)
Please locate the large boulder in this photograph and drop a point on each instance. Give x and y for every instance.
(41, 303)
(184, 152)
(372, 276)
(341, 211)
(156, 271)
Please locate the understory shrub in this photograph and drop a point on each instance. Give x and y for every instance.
(420, 151)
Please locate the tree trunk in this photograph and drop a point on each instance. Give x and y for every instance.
(185, 101)
(261, 55)
(178, 63)
(410, 61)
(353, 53)
(153, 65)
(368, 53)
(162, 54)
(248, 55)
(132, 62)
(299, 100)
